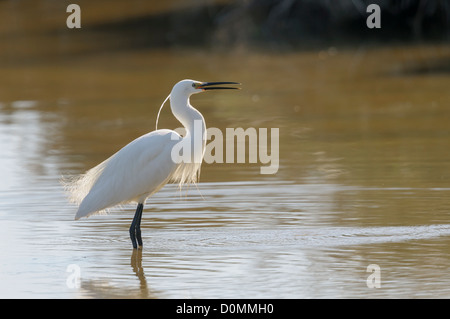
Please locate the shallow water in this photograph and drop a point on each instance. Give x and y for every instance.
(363, 177)
(253, 242)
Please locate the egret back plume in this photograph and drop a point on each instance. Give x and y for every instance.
(77, 187)
(157, 118)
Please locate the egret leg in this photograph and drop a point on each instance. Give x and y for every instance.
(138, 227)
(135, 228)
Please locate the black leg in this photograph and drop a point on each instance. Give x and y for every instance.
(135, 228)
(138, 227)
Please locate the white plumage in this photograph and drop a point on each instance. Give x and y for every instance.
(146, 164)
(132, 174)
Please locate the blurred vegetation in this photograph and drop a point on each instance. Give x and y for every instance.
(38, 27)
(299, 23)
(283, 24)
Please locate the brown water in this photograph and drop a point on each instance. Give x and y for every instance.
(364, 176)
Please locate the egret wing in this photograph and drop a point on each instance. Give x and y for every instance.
(132, 174)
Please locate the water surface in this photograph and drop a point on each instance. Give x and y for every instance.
(363, 179)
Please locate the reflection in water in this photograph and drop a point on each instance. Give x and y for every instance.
(103, 287)
(136, 264)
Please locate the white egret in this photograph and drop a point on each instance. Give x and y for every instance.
(145, 165)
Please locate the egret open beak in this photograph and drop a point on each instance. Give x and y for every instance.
(209, 86)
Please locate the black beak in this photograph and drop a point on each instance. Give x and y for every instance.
(209, 86)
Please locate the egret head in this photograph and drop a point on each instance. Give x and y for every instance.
(189, 87)
(185, 88)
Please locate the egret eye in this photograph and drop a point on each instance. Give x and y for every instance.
(193, 85)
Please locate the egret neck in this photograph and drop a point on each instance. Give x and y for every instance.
(194, 140)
